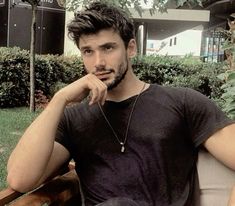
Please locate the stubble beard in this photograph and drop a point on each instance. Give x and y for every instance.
(121, 73)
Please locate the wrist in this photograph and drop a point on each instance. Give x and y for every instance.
(59, 99)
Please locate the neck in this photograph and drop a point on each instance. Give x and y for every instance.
(128, 87)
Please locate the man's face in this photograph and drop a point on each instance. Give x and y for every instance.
(104, 54)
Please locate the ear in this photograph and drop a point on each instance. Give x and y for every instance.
(131, 48)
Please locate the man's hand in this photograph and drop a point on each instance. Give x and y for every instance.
(80, 89)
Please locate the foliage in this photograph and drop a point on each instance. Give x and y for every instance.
(54, 72)
(156, 5)
(181, 72)
(14, 69)
(73, 68)
(49, 70)
(227, 97)
(229, 44)
(41, 99)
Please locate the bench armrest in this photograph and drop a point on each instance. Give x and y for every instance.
(59, 190)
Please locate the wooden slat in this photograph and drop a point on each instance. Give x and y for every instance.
(56, 192)
(7, 195)
(61, 188)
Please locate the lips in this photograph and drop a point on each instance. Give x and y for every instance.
(103, 75)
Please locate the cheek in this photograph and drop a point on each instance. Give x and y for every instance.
(117, 58)
(89, 66)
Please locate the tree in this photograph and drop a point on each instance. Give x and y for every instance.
(229, 44)
(157, 5)
(34, 4)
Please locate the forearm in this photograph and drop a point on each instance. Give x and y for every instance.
(29, 159)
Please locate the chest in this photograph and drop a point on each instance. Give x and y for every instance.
(158, 128)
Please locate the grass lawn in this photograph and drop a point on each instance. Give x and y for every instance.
(13, 122)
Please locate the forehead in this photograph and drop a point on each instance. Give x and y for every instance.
(100, 38)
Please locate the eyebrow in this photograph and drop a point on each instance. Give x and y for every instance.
(100, 46)
(108, 44)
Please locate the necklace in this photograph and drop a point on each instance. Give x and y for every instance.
(122, 143)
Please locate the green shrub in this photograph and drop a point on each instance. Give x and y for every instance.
(49, 70)
(181, 72)
(227, 99)
(14, 78)
(53, 72)
(72, 67)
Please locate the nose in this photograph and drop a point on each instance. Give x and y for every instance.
(100, 60)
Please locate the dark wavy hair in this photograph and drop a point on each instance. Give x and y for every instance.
(98, 16)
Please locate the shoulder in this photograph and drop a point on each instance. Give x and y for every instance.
(182, 93)
(180, 97)
(168, 93)
(167, 89)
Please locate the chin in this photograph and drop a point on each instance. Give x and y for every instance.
(108, 82)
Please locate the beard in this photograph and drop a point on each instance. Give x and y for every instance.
(121, 73)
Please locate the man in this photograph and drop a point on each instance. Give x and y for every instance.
(133, 143)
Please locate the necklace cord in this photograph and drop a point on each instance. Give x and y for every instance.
(122, 143)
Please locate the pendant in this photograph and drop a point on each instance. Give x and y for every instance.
(123, 147)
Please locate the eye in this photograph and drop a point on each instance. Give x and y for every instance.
(108, 48)
(87, 52)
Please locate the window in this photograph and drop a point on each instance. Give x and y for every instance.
(170, 42)
(175, 41)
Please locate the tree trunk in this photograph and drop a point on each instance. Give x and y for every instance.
(32, 58)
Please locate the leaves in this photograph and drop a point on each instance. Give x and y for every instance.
(53, 72)
(157, 5)
(228, 95)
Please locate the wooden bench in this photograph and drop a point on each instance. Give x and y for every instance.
(61, 190)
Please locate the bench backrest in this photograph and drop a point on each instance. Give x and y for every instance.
(215, 181)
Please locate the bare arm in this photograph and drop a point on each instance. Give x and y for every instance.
(222, 145)
(36, 155)
(232, 198)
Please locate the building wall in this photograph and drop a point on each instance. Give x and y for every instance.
(69, 46)
(15, 23)
(187, 42)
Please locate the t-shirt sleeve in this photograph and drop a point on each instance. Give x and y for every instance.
(62, 133)
(203, 116)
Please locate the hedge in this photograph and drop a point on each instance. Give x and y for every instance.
(181, 72)
(52, 72)
(49, 71)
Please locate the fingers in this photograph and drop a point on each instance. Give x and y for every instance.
(98, 90)
(80, 89)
